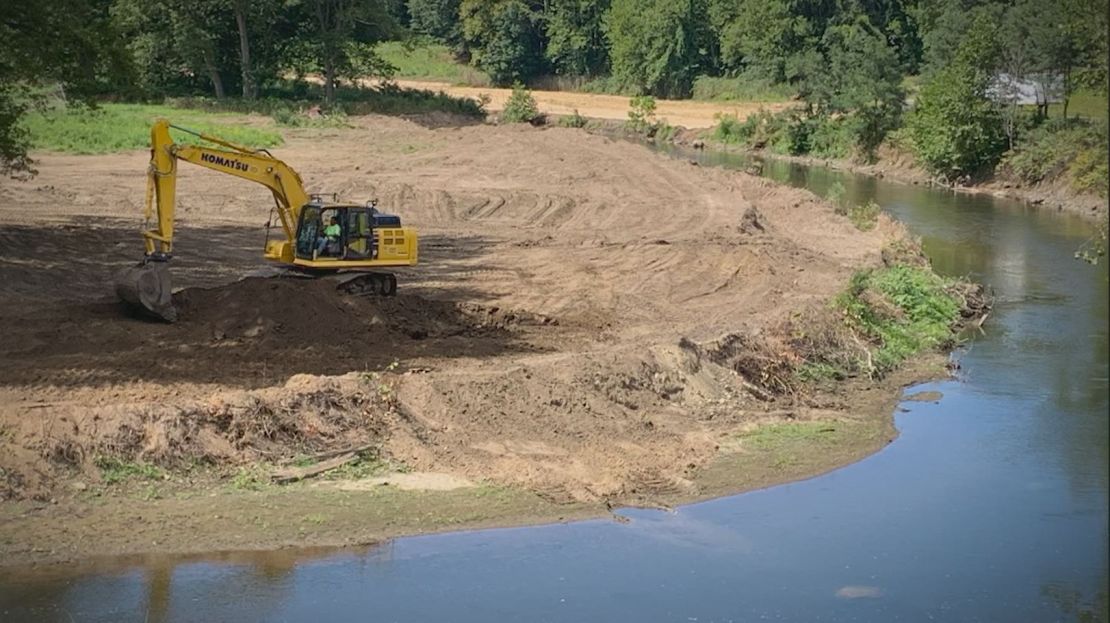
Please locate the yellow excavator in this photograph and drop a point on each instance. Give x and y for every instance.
(319, 238)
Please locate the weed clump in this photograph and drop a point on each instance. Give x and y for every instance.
(863, 216)
(115, 470)
(574, 120)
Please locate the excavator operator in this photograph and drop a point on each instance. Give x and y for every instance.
(331, 235)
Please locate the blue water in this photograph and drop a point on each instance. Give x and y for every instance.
(992, 505)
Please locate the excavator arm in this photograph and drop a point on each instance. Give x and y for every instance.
(148, 284)
(256, 166)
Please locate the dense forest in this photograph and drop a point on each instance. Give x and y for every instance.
(943, 78)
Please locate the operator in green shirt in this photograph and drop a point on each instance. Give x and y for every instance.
(331, 234)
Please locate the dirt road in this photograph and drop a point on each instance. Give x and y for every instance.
(685, 113)
(572, 330)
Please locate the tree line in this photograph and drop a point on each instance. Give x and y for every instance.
(845, 59)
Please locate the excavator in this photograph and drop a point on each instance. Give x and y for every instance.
(318, 238)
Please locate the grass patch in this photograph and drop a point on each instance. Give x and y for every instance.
(426, 60)
(113, 470)
(119, 127)
(251, 478)
(743, 88)
(1083, 103)
(776, 436)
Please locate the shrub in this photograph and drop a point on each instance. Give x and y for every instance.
(1068, 148)
(521, 107)
(641, 113)
(833, 137)
(730, 129)
(574, 120)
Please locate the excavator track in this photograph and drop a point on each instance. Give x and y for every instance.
(368, 284)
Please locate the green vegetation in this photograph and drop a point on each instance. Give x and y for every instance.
(117, 127)
(744, 88)
(778, 436)
(902, 310)
(1073, 149)
(504, 37)
(955, 129)
(790, 132)
(114, 470)
(427, 60)
(656, 46)
(642, 120)
(366, 465)
(521, 106)
(849, 66)
(251, 478)
(863, 216)
(573, 120)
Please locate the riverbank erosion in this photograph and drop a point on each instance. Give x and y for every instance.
(591, 325)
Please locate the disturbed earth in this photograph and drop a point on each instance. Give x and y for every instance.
(573, 329)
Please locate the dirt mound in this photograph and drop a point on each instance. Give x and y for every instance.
(307, 313)
(305, 415)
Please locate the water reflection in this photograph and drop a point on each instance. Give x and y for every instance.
(992, 505)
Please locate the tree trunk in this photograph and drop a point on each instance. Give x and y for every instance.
(214, 74)
(329, 79)
(249, 89)
(1067, 90)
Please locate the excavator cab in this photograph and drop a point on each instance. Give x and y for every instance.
(358, 238)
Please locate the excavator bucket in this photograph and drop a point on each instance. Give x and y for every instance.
(147, 288)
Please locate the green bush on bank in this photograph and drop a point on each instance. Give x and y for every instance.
(792, 133)
(902, 310)
(1073, 149)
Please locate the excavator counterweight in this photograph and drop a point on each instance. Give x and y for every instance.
(318, 238)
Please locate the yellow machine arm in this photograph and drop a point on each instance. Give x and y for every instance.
(254, 165)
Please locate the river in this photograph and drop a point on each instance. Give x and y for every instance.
(992, 505)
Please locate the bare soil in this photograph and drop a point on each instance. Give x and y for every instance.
(680, 113)
(570, 336)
